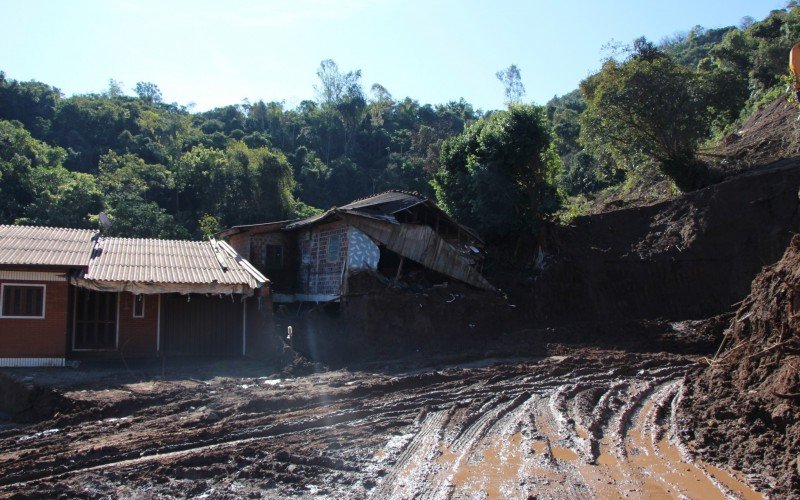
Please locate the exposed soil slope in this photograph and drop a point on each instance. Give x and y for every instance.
(770, 134)
(687, 258)
(744, 409)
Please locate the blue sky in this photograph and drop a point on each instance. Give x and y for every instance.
(217, 53)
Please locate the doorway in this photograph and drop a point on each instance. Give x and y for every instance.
(95, 321)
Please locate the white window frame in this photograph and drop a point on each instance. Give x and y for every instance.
(44, 299)
(135, 296)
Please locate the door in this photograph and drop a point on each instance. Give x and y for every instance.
(200, 325)
(95, 321)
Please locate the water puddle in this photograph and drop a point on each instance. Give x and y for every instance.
(564, 454)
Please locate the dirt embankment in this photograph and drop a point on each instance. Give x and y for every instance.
(744, 409)
(389, 323)
(771, 133)
(688, 258)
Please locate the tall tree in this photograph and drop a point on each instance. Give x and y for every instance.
(499, 175)
(512, 84)
(649, 107)
(148, 91)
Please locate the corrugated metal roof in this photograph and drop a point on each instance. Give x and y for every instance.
(388, 202)
(265, 226)
(169, 261)
(45, 246)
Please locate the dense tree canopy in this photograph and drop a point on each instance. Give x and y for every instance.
(648, 107)
(499, 175)
(158, 169)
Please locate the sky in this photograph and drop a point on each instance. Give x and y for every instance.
(215, 53)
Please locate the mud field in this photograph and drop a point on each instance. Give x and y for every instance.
(588, 424)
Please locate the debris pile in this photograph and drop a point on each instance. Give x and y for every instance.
(744, 409)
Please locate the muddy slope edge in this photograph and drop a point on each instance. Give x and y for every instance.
(744, 408)
(691, 257)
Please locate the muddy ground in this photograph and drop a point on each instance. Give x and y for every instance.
(582, 424)
(744, 408)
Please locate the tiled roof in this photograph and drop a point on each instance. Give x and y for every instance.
(45, 246)
(170, 261)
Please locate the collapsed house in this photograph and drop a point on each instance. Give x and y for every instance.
(388, 235)
(73, 294)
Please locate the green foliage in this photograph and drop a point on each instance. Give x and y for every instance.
(62, 198)
(209, 226)
(34, 186)
(32, 103)
(648, 107)
(512, 84)
(148, 92)
(688, 49)
(157, 169)
(499, 175)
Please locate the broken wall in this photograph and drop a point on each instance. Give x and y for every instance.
(322, 256)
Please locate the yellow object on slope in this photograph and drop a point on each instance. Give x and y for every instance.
(794, 62)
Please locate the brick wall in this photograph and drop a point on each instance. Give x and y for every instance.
(257, 244)
(37, 338)
(138, 336)
(317, 275)
(241, 243)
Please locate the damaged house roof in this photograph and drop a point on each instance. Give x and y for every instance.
(378, 217)
(383, 206)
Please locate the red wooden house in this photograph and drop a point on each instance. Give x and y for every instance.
(73, 294)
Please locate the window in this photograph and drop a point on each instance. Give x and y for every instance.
(138, 306)
(22, 301)
(334, 245)
(273, 257)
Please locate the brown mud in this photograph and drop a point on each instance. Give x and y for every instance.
(744, 407)
(691, 257)
(593, 423)
(769, 134)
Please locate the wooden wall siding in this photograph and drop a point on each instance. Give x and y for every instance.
(209, 326)
(138, 336)
(421, 244)
(41, 337)
(317, 275)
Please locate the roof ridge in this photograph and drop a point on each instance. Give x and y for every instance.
(401, 191)
(61, 228)
(129, 238)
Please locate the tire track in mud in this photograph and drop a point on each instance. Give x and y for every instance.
(554, 428)
(622, 446)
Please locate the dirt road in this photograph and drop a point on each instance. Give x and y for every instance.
(594, 423)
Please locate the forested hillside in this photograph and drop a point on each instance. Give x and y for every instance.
(158, 169)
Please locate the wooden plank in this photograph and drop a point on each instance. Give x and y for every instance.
(203, 326)
(421, 244)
